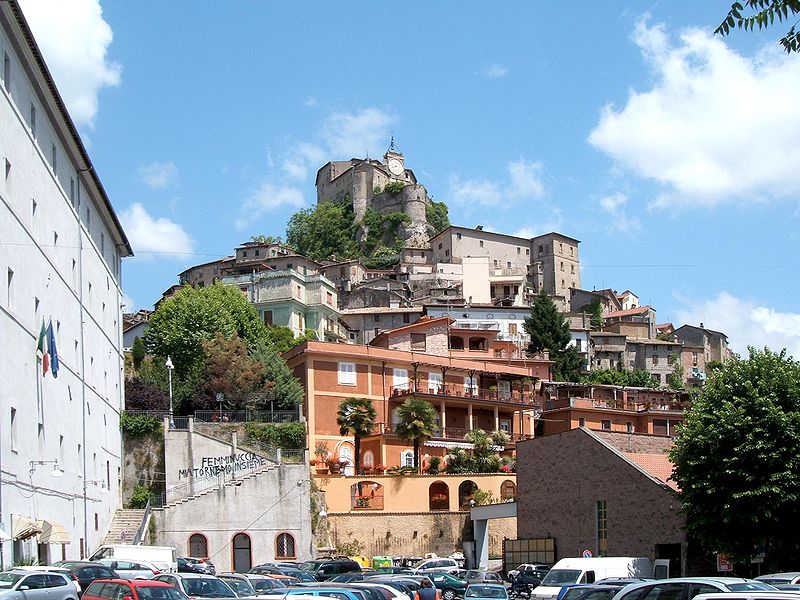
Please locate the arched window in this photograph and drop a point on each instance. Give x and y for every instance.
(508, 490)
(284, 546)
(198, 546)
(477, 343)
(456, 342)
(407, 458)
(346, 453)
(439, 496)
(366, 495)
(465, 493)
(368, 460)
(242, 557)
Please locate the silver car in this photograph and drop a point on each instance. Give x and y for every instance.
(130, 569)
(22, 584)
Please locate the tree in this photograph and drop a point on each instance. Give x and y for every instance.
(675, 379)
(230, 371)
(181, 324)
(417, 422)
(737, 459)
(137, 352)
(142, 395)
(324, 231)
(765, 12)
(436, 214)
(356, 417)
(266, 239)
(285, 390)
(549, 330)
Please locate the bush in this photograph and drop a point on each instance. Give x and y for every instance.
(291, 436)
(394, 187)
(135, 426)
(141, 495)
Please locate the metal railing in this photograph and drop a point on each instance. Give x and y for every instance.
(515, 396)
(159, 414)
(139, 536)
(181, 423)
(246, 416)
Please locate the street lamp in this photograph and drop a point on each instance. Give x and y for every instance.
(170, 366)
(57, 472)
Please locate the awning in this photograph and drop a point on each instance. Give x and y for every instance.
(52, 533)
(23, 528)
(438, 444)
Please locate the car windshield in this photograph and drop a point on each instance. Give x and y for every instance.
(160, 592)
(240, 586)
(485, 591)
(573, 592)
(309, 566)
(7, 580)
(749, 585)
(561, 576)
(208, 588)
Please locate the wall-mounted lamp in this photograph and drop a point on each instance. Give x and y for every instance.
(57, 472)
(99, 483)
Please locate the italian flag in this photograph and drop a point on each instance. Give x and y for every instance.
(41, 347)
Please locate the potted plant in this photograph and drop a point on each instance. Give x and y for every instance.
(334, 465)
(320, 451)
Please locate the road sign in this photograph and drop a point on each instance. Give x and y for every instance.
(724, 563)
(587, 553)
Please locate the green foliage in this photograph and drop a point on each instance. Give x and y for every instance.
(291, 436)
(765, 12)
(137, 352)
(382, 232)
(549, 330)
(483, 497)
(181, 324)
(634, 378)
(352, 547)
(356, 417)
(230, 371)
(417, 420)
(434, 465)
(28, 561)
(266, 239)
(140, 496)
(737, 459)
(324, 231)
(135, 426)
(437, 215)
(482, 458)
(142, 395)
(282, 338)
(394, 187)
(675, 379)
(383, 261)
(665, 336)
(285, 390)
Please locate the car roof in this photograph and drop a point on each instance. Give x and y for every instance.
(718, 580)
(782, 574)
(486, 584)
(760, 594)
(135, 582)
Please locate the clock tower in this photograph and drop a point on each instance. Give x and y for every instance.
(395, 160)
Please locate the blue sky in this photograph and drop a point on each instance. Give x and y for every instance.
(670, 153)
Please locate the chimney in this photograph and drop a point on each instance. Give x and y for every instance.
(701, 325)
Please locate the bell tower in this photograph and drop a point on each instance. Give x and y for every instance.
(395, 160)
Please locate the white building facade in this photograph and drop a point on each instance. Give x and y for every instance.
(60, 250)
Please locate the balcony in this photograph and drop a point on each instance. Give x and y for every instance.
(462, 393)
(624, 405)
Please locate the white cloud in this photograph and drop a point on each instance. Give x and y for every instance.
(716, 126)
(745, 322)
(311, 102)
(159, 175)
(620, 221)
(74, 40)
(268, 198)
(524, 183)
(150, 236)
(349, 135)
(495, 71)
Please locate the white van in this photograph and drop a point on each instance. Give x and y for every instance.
(568, 571)
(164, 557)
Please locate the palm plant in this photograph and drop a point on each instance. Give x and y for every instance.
(356, 417)
(417, 422)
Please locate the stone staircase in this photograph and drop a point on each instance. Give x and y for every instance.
(124, 525)
(230, 483)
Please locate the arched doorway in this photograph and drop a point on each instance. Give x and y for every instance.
(439, 496)
(198, 546)
(242, 556)
(346, 452)
(465, 493)
(508, 490)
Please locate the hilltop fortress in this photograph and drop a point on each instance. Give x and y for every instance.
(377, 185)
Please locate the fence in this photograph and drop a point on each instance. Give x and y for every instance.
(245, 416)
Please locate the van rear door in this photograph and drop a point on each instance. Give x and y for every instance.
(661, 568)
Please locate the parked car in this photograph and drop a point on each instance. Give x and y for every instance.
(21, 584)
(534, 567)
(394, 570)
(324, 569)
(389, 592)
(263, 583)
(86, 572)
(190, 564)
(480, 576)
(591, 592)
(198, 585)
(429, 565)
(754, 595)
(298, 574)
(52, 569)
(239, 583)
(686, 588)
(347, 577)
(785, 578)
(313, 593)
(450, 587)
(136, 589)
(486, 591)
(128, 569)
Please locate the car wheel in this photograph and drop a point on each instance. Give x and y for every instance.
(448, 594)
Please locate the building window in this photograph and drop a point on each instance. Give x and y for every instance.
(458, 237)
(407, 458)
(198, 546)
(268, 318)
(440, 245)
(438, 496)
(562, 265)
(508, 490)
(13, 429)
(447, 252)
(406, 318)
(400, 379)
(366, 495)
(376, 318)
(329, 298)
(694, 359)
(466, 492)
(541, 249)
(519, 250)
(284, 546)
(418, 341)
(54, 158)
(602, 528)
(606, 424)
(470, 386)
(368, 460)
(512, 328)
(347, 373)
(435, 383)
(481, 243)
(244, 253)
(33, 120)
(7, 72)
(242, 555)
(96, 522)
(655, 360)
(629, 427)
(527, 251)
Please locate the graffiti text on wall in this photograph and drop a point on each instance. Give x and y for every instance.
(228, 464)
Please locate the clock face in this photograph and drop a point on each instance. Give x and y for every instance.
(395, 167)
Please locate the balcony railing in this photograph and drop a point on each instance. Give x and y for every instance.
(626, 405)
(515, 397)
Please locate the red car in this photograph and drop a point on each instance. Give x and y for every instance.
(134, 589)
